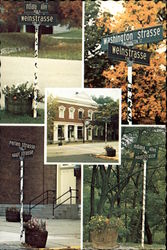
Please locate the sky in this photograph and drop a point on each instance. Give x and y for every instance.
(112, 6)
(114, 93)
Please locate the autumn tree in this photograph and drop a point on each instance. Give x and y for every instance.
(148, 88)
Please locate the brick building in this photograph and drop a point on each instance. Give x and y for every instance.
(74, 116)
(38, 178)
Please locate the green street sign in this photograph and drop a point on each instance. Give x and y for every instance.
(31, 7)
(141, 157)
(133, 37)
(31, 19)
(123, 53)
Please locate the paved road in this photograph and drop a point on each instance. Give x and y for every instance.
(81, 152)
(51, 72)
(61, 233)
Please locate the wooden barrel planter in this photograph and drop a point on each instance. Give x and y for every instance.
(105, 239)
(36, 238)
(18, 107)
(12, 216)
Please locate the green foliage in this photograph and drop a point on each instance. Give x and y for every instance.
(100, 223)
(22, 91)
(52, 109)
(95, 62)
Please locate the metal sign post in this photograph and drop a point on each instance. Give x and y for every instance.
(36, 72)
(129, 99)
(150, 152)
(23, 152)
(36, 14)
(21, 199)
(144, 202)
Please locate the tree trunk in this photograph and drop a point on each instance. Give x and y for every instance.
(92, 191)
(148, 231)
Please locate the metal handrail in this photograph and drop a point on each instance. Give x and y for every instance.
(42, 200)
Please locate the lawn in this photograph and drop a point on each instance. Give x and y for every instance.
(6, 117)
(52, 46)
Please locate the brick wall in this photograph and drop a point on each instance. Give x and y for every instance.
(37, 176)
(76, 118)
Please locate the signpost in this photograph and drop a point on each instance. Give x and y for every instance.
(144, 153)
(119, 47)
(21, 154)
(36, 13)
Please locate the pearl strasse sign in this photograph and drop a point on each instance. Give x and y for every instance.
(133, 37)
(123, 53)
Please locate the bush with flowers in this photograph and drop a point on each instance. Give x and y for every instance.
(21, 92)
(35, 225)
(99, 223)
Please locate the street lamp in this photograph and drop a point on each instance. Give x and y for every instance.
(85, 121)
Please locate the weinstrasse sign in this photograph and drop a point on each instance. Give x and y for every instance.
(42, 19)
(123, 53)
(133, 37)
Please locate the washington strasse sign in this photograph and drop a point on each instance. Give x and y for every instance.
(133, 37)
(123, 53)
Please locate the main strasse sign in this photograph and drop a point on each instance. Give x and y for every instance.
(133, 37)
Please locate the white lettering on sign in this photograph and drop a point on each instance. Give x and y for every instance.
(15, 143)
(126, 37)
(128, 52)
(136, 146)
(37, 18)
(148, 33)
(22, 144)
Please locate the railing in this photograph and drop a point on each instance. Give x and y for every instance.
(45, 197)
(70, 192)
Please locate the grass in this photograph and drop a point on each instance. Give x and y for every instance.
(70, 49)
(146, 246)
(75, 33)
(6, 117)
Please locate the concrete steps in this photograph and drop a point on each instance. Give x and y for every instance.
(65, 211)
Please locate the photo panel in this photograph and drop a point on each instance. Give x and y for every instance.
(82, 125)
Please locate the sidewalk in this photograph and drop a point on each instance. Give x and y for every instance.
(61, 234)
(82, 152)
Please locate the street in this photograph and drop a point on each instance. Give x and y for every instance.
(51, 73)
(82, 153)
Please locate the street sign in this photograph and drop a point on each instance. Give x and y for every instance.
(22, 154)
(133, 37)
(139, 147)
(41, 19)
(149, 157)
(23, 145)
(123, 53)
(31, 7)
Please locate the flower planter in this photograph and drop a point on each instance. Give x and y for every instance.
(36, 238)
(111, 152)
(26, 217)
(18, 107)
(104, 239)
(12, 216)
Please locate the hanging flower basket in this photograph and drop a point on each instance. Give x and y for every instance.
(36, 238)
